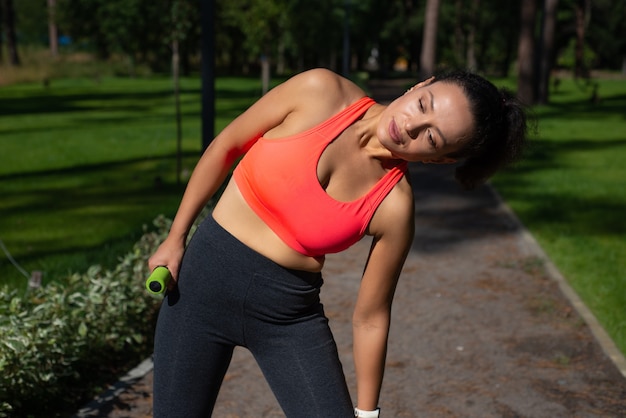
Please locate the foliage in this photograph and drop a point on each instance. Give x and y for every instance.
(567, 57)
(304, 42)
(606, 19)
(261, 21)
(140, 29)
(32, 18)
(56, 338)
(301, 34)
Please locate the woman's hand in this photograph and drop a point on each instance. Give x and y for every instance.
(169, 254)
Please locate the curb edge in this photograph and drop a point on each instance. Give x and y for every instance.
(94, 408)
(601, 335)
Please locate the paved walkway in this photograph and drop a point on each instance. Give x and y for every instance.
(483, 325)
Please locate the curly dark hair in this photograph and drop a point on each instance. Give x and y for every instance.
(500, 133)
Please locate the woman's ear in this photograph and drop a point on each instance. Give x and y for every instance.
(421, 84)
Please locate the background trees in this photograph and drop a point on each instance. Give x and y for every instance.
(7, 12)
(386, 36)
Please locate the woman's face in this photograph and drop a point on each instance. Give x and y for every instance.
(427, 123)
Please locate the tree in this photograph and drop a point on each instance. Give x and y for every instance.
(471, 38)
(208, 21)
(53, 33)
(429, 39)
(526, 53)
(608, 19)
(263, 23)
(1, 37)
(548, 29)
(298, 34)
(304, 42)
(582, 8)
(484, 35)
(8, 15)
(136, 29)
(84, 21)
(180, 24)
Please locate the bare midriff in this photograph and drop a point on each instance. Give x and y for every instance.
(234, 214)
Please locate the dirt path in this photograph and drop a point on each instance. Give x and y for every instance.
(480, 326)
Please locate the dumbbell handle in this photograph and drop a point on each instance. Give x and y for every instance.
(158, 280)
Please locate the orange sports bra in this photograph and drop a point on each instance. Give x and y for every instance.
(278, 180)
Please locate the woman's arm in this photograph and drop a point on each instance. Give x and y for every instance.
(299, 103)
(217, 161)
(393, 228)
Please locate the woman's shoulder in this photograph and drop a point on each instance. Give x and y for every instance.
(309, 98)
(323, 78)
(326, 86)
(396, 211)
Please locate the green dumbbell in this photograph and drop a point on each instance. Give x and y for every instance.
(158, 280)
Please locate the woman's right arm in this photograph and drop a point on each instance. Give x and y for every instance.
(215, 165)
(299, 103)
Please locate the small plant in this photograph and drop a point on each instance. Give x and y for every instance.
(53, 339)
(562, 360)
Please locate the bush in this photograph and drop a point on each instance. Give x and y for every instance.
(55, 339)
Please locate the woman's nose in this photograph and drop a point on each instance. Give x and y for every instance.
(413, 126)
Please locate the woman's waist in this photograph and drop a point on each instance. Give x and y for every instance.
(234, 215)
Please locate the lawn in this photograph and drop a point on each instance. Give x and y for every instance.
(85, 163)
(571, 194)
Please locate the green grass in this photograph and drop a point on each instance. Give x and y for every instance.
(85, 163)
(570, 192)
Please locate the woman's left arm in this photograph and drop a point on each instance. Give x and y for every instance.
(393, 228)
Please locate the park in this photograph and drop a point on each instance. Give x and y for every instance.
(91, 174)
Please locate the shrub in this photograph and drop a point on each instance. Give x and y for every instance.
(55, 339)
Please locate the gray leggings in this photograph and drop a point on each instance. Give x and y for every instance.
(229, 295)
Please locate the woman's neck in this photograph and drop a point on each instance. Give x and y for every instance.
(365, 130)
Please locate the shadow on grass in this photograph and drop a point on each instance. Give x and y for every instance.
(66, 220)
(53, 101)
(105, 166)
(604, 108)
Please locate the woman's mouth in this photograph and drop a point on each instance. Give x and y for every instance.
(394, 132)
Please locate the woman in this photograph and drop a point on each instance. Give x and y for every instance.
(323, 165)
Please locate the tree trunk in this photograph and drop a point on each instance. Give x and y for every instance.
(1, 32)
(582, 14)
(265, 73)
(179, 131)
(526, 53)
(53, 32)
(471, 61)
(429, 39)
(207, 11)
(547, 47)
(345, 67)
(8, 13)
(1, 38)
(459, 33)
(510, 48)
(280, 59)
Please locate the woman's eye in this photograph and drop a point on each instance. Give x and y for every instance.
(421, 105)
